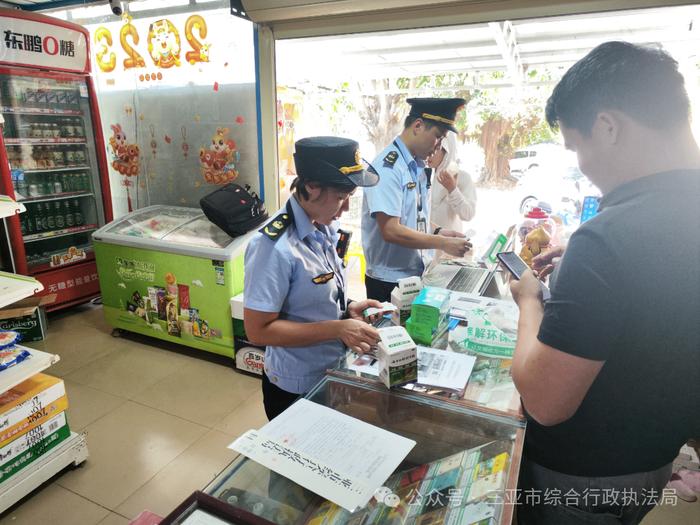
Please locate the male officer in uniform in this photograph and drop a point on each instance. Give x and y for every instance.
(395, 212)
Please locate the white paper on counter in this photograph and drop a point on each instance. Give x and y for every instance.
(444, 369)
(334, 455)
(436, 368)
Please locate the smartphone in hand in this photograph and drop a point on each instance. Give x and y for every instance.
(516, 266)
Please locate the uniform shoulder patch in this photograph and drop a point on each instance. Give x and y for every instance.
(391, 157)
(323, 278)
(276, 226)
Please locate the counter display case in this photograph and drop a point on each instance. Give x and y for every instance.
(463, 469)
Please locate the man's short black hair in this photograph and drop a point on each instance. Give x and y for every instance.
(410, 119)
(642, 82)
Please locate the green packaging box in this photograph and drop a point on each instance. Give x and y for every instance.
(27, 317)
(428, 314)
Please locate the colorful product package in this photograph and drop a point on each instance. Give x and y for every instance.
(183, 297)
(428, 315)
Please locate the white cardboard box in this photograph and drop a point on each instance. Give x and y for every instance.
(397, 357)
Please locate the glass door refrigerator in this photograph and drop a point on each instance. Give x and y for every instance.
(49, 158)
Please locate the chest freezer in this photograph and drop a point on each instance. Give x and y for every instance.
(167, 272)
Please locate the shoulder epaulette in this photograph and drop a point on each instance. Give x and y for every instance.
(277, 226)
(391, 157)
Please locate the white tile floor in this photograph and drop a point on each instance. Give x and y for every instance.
(157, 423)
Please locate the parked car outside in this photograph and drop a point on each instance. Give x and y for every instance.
(542, 155)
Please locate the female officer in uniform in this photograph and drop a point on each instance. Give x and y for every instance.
(294, 293)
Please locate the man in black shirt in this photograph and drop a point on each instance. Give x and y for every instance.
(609, 368)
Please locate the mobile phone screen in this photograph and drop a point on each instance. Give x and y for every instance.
(517, 267)
(513, 263)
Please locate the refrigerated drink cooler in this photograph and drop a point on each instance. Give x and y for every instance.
(169, 273)
(52, 156)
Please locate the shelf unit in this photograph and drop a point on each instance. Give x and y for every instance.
(35, 141)
(40, 111)
(59, 233)
(59, 196)
(55, 170)
(73, 451)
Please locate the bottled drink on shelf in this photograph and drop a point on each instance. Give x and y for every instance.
(68, 212)
(57, 184)
(50, 218)
(46, 184)
(77, 213)
(23, 224)
(37, 216)
(60, 219)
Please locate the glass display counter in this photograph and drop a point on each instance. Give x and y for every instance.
(462, 469)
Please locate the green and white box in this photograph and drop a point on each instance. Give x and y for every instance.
(28, 447)
(428, 315)
(402, 297)
(397, 357)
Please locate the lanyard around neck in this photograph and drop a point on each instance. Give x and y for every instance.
(419, 200)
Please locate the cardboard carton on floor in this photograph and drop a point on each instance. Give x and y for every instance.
(249, 357)
(27, 317)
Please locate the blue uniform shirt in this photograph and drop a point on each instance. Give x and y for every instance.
(279, 277)
(401, 187)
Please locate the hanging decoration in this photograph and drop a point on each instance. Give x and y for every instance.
(125, 158)
(185, 145)
(154, 144)
(218, 163)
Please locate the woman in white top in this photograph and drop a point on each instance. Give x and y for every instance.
(453, 198)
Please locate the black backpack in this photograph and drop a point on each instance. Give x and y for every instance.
(234, 209)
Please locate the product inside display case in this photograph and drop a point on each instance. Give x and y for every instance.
(53, 165)
(461, 470)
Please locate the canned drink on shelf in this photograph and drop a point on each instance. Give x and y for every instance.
(29, 98)
(41, 97)
(36, 130)
(55, 130)
(78, 127)
(51, 97)
(68, 129)
(79, 156)
(61, 97)
(72, 97)
(46, 131)
(58, 158)
(70, 156)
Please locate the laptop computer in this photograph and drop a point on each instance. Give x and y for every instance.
(469, 277)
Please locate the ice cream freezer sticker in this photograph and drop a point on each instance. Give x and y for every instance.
(165, 308)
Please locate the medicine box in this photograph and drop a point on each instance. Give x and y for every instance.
(397, 357)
